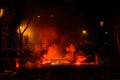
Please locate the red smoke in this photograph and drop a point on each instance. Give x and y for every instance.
(51, 46)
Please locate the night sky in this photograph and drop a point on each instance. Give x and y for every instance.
(70, 16)
(92, 10)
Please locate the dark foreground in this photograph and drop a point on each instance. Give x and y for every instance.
(66, 72)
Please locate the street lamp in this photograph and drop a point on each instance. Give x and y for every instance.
(1, 12)
(102, 23)
(84, 32)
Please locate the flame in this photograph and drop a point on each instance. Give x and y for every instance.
(80, 59)
(70, 52)
(54, 50)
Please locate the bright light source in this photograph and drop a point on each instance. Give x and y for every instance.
(38, 16)
(84, 31)
(106, 32)
(22, 28)
(53, 63)
(78, 63)
(101, 23)
(1, 12)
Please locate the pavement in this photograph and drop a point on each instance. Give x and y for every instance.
(5, 73)
(63, 72)
(110, 71)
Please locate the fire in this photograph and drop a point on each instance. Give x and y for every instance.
(70, 52)
(31, 65)
(80, 59)
(53, 50)
(53, 56)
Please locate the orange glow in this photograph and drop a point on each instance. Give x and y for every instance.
(17, 64)
(92, 63)
(32, 65)
(22, 28)
(1, 12)
(101, 23)
(96, 59)
(84, 32)
(46, 62)
(28, 33)
(80, 59)
(70, 52)
(38, 16)
(46, 35)
(78, 63)
(51, 51)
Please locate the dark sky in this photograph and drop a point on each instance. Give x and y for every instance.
(92, 9)
(66, 10)
(68, 13)
(72, 16)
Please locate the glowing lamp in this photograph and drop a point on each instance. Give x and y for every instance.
(101, 23)
(84, 31)
(1, 12)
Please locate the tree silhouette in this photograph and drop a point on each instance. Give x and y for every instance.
(22, 32)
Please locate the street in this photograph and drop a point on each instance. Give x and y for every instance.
(66, 72)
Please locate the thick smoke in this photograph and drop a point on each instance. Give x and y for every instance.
(51, 46)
